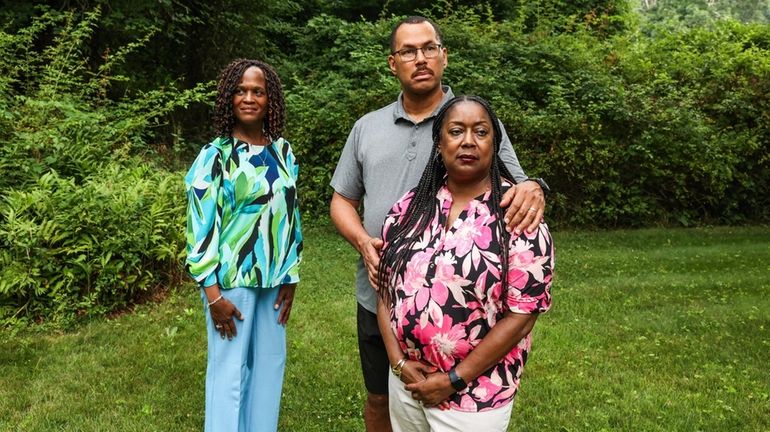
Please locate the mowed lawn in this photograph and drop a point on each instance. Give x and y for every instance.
(651, 330)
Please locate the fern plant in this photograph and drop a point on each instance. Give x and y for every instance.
(89, 220)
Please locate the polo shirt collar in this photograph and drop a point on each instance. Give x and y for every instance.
(400, 113)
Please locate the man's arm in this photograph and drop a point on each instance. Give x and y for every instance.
(526, 199)
(344, 214)
(508, 156)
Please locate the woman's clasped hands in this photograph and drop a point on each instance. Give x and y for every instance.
(428, 385)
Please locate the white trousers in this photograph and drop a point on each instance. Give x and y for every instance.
(407, 415)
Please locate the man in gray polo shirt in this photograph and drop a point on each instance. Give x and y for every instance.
(383, 158)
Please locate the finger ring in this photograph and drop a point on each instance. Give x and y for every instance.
(532, 209)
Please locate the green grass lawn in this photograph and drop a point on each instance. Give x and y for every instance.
(650, 330)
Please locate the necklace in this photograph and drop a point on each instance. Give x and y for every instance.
(259, 149)
(261, 154)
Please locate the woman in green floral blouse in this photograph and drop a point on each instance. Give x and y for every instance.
(244, 245)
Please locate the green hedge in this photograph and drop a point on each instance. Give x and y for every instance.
(629, 130)
(631, 123)
(90, 221)
(88, 248)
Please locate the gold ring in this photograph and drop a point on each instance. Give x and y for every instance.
(532, 209)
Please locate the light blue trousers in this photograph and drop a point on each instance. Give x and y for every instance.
(244, 376)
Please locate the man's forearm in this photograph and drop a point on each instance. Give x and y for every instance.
(508, 155)
(344, 215)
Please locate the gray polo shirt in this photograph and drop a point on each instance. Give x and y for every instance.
(384, 157)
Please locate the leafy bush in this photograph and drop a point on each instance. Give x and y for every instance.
(628, 130)
(89, 222)
(325, 96)
(89, 247)
(632, 121)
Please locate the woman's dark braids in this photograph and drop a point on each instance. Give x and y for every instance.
(422, 208)
(229, 78)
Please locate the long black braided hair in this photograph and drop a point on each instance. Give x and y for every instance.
(422, 208)
(229, 78)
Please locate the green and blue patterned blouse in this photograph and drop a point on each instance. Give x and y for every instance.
(243, 226)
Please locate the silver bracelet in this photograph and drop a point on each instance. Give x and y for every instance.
(211, 303)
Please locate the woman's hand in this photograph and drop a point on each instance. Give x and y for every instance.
(284, 300)
(222, 313)
(432, 391)
(415, 371)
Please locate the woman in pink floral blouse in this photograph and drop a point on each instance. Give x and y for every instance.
(460, 295)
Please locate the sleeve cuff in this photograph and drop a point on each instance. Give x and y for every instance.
(209, 280)
(292, 276)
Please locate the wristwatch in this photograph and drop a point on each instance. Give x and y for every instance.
(542, 183)
(458, 383)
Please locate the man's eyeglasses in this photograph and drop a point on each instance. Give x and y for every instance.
(410, 54)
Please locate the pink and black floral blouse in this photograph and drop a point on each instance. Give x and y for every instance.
(450, 294)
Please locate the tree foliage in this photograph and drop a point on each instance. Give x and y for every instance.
(636, 112)
(628, 130)
(690, 13)
(87, 225)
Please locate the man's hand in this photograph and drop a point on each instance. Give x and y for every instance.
(286, 298)
(370, 248)
(526, 206)
(345, 216)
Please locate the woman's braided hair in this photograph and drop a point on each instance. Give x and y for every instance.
(422, 208)
(229, 78)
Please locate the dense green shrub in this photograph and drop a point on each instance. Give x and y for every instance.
(92, 246)
(632, 119)
(89, 222)
(328, 92)
(628, 130)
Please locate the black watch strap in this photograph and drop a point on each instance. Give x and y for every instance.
(458, 383)
(542, 183)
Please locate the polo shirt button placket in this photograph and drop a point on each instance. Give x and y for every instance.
(411, 154)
